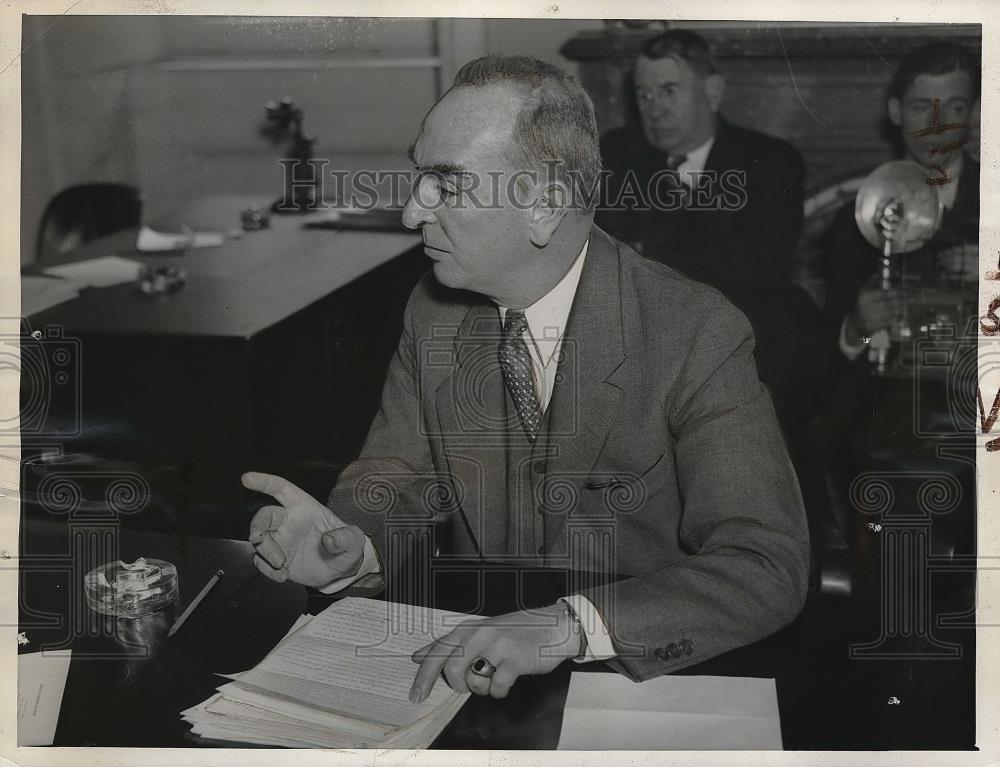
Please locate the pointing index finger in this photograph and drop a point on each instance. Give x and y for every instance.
(432, 661)
(279, 488)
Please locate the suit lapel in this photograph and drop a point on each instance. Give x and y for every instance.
(720, 157)
(471, 411)
(589, 386)
(584, 406)
(967, 194)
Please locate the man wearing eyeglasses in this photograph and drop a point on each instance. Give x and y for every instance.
(723, 205)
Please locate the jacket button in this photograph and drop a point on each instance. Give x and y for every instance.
(688, 646)
(674, 650)
(659, 653)
(541, 551)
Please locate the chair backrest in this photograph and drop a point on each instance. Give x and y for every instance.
(82, 213)
(819, 211)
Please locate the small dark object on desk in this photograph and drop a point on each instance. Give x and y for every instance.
(254, 219)
(165, 279)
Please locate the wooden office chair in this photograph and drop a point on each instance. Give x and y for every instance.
(82, 213)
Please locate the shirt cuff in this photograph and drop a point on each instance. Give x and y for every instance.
(369, 565)
(599, 646)
(850, 349)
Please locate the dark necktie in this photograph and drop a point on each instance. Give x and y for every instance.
(673, 164)
(515, 362)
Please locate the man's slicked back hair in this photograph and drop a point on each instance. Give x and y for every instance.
(937, 58)
(685, 45)
(556, 127)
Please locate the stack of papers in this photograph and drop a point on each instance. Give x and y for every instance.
(687, 713)
(339, 680)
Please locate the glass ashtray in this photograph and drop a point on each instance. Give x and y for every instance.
(132, 590)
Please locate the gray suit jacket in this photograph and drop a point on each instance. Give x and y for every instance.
(663, 462)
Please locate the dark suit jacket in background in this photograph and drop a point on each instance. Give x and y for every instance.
(742, 252)
(659, 433)
(748, 254)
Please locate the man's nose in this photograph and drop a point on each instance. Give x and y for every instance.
(656, 108)
(414, 213)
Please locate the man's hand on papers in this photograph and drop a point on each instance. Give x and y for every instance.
(301, 539)
(516, 643)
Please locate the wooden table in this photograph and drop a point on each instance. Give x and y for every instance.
(271, 357)
(242, 288)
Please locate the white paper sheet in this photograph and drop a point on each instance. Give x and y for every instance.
(609, 711)
(41, 293)
(150, 240)
(41, 679)
(98, 272)
(354, 659)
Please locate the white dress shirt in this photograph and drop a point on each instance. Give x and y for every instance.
(695, 162)
(852, 347)
(547, 319)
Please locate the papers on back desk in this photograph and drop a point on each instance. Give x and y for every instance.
(97, 272)
(339, 680)
(609, 711)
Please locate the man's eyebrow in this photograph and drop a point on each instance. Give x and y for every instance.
(443, 168)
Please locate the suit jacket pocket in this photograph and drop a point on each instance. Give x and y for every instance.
(625, 491)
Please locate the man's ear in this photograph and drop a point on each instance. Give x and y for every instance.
(547, 213)
(895, 112)
(715, 88)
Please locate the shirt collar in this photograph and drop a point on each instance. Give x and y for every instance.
(947, 192)
(697, 157)
(548, 315)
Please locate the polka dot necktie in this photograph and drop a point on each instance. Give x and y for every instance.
(517, 372)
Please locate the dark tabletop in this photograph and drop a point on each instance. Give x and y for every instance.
(128, 683)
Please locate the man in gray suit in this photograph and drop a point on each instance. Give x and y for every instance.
(558, 401)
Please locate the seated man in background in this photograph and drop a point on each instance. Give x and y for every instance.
(930, 101)
(902, 412)
(557, 401)
(736, 224)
